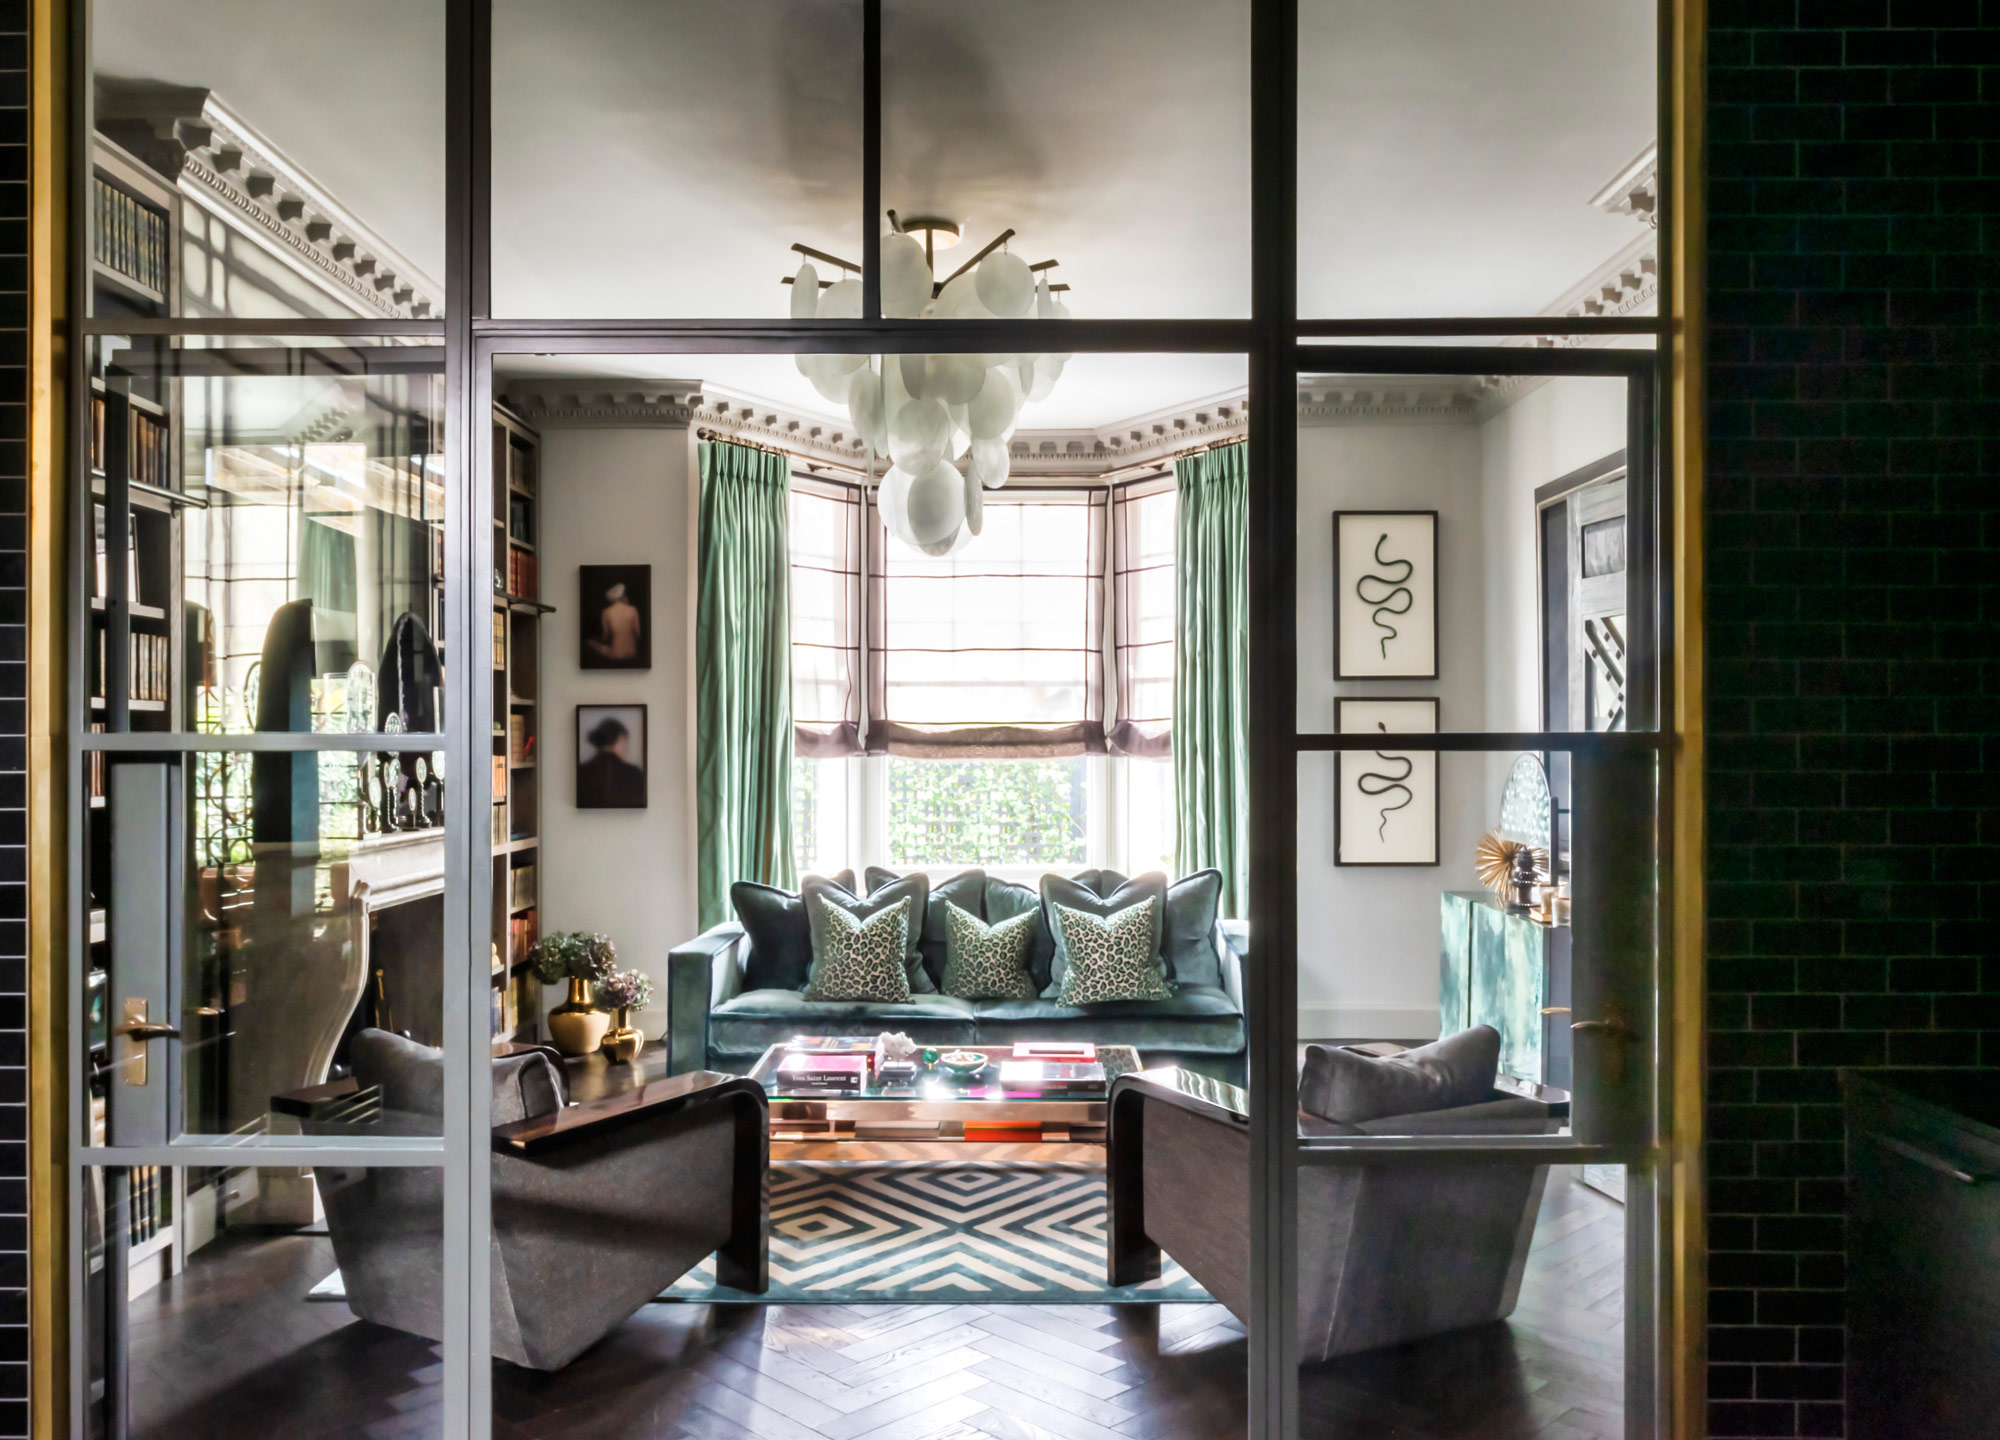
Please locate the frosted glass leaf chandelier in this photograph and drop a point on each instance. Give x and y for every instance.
(942, 422)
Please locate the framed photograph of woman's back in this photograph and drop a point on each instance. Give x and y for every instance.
(615, 606)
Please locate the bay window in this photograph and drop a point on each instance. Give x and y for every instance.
(985, 733)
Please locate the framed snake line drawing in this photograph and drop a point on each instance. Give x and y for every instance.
(1385, 802)
(1385, 595)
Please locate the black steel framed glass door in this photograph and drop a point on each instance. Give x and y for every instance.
(281, 532)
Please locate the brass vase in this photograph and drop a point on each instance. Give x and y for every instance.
(577, 1026)
(623, 1042)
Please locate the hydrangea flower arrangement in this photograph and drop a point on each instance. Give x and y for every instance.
(626, 989)
(574, 955)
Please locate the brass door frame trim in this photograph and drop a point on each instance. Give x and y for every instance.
(1686, 55)
(48, 834)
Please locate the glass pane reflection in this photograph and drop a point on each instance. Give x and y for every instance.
(232, 1324)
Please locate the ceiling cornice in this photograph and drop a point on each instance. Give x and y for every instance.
(224, 163)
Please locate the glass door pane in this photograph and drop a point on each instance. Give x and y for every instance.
(1477, 157)
(208, 1320)
(1476, 961)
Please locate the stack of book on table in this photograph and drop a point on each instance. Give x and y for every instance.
(819, 1070)
(1053, 1068)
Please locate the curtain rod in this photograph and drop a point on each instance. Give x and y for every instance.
(1139, 471)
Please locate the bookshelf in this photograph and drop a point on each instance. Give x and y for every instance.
(517, 724)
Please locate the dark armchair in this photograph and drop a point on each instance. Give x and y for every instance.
(1384, 1253)
(596, 1208)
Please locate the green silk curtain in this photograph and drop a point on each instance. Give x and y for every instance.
(743, 675)
(1211, 724)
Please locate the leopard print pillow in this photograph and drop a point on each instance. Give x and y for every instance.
(987, 962)
(1111, 957)
(861, 959)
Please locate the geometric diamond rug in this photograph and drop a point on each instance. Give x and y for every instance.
(992, 1231)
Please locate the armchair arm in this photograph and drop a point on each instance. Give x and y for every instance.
(1232, 947)
(1132, 1255)
(701, 974)
(541, 1133)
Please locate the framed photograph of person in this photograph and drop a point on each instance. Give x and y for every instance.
(1385, 595)
(611, 757)
(616, 624)
(1386, 802)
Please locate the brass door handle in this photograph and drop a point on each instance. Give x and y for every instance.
(1616, 1029)
(136, 1032)
(1556, 1010)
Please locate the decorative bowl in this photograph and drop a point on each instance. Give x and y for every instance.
(962, 1062)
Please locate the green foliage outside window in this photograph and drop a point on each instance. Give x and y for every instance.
(986, 812)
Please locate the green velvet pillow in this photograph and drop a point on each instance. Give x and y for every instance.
(781, 947)
(1005, 900)
(988, 962)
(1187, 938)
(965, 889)
(914, 888)
(1100, 893)
(1111, 957)
(857, 958)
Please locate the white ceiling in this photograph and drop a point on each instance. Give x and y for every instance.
(658, 157)
(351, 90)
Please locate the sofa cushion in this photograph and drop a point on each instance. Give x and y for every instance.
(1352, 1088)
(744, 1026)
(1102, 893)
(1187, 934)
(1005, 900)
(913, 887)
(859, 959)
(987, 962)
(966, 889)
(1198, 1019)
(411, 1078)
(780, 938)
(1111, 957)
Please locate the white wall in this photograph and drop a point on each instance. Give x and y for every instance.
(613, 497)
(1368, 938)
(1551, 430)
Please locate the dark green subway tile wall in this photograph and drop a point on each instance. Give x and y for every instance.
(1853, 634)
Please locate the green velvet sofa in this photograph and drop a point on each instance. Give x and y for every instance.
(727, 1003)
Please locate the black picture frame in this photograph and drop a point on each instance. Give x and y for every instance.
(1421, 590)
(603, 640)
(607, 786)
(1421, 762)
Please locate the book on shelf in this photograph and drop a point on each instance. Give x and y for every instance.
(499, 779)
(520, 742)
(128, 236)
(499, 825)
(520, 519)
(148, 674)
(95, 761)
(521, 936)
(521, 576)
(520, 887)
(146, 437)
(97, 408)
(499, 639)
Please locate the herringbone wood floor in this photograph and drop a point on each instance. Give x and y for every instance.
(228, 1350)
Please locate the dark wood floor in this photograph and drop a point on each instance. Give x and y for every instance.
(229, 1349)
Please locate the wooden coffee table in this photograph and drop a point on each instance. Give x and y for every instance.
(940, 1107)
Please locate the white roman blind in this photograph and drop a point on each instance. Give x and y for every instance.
(996, 652)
